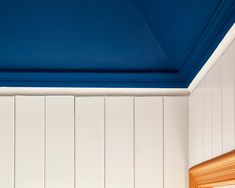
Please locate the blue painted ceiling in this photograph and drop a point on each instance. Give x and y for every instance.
(109, 43)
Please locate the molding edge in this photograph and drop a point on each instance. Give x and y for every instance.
(227, 40)
(94, 91)
(229, 37)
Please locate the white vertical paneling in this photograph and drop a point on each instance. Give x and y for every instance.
(59, 142)
(196, 125)
(119, 151)
(216, 109)
(228, 98)
(233, 51)
(218, 91)
(119, 143)
(191, 132)
(89, 142)
(29, 141)
(175, 142)
(206, 115)
(148, 142)
(198, 118)
(7, 142)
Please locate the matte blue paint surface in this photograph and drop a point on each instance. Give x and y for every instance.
(109, 43)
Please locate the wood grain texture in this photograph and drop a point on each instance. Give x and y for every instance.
(219, 171)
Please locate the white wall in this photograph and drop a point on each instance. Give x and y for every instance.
(211, 111)
(87, 142)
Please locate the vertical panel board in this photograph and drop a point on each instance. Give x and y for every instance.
(7, 142)
(175, 142)
(148, 142)
(29, 142)
(192, 133)
(228, 99)
(198, 123)
(119, 150)
(89, 142)
(192, 137)
(206, 113)
(59, 142)
(233, 51)
(216, 109)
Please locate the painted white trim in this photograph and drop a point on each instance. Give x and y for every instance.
(227, 40)
(94, 91)
(229, 37)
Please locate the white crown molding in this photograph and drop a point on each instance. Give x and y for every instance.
(94, 91)
(227, 40)
(229, 37)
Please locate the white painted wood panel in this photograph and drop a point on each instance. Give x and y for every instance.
(89, 142)
(216, 109)
(175, 142)
(206, 116)
(59, 142)
(148, 142)
(196, 130)
(217, 91)
(191, 132)
(29, 142)
(7, 142)
(198, 119)
(228, 99)
(119, 150)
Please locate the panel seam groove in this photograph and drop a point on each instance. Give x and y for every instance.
(74, 140)
(134, 141)
(14, 142)
(104, 142)
(44, 144)
(222, 118)
(163, 141)
(212, 129)
(202, 121)
(233, 93)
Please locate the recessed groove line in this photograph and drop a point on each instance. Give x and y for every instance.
(14, 141)
(222, 119)
(134, 142)
(74, 139)
(44, 144)
(104, 97)
(212, 129)
(163, 141)
(202, 127)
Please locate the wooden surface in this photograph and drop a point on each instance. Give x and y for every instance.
(216, 172)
